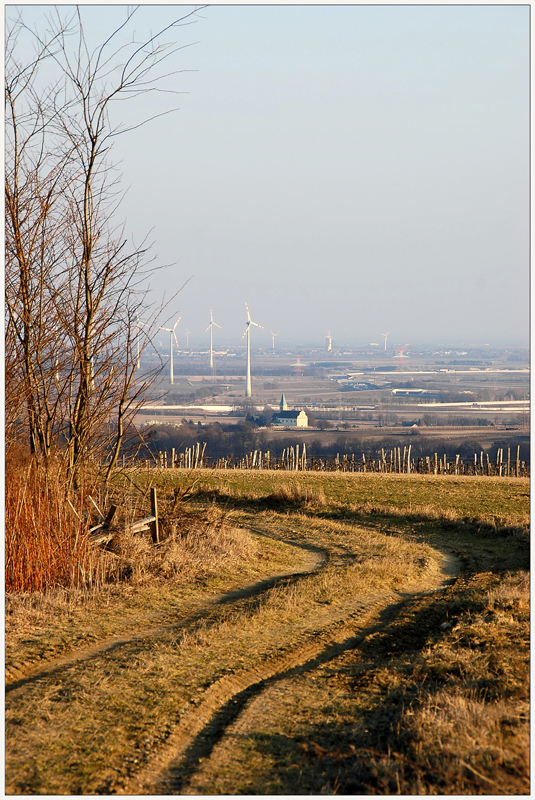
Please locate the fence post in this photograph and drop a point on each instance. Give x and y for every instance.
(154, 512)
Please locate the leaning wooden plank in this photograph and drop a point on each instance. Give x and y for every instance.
(142, 524)
(101, 515)
(96, 528)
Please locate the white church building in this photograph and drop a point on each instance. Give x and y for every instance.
(289, 419)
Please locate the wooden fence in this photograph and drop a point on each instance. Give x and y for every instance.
(102, 531)
(395, 460)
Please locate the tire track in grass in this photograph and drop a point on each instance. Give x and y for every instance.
(317, 560)
(203, 726)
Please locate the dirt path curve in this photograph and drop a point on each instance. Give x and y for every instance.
(316, 559)
(203, 726)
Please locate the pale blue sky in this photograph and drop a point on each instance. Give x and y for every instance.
(358, 169)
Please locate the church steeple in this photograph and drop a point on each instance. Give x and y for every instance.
(283, 404)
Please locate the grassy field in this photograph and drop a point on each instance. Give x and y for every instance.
(392, 658)
(465, 496)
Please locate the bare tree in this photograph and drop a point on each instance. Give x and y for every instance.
(35, 180)
(73, 286)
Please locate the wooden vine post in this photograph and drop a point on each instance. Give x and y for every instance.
(154, 512)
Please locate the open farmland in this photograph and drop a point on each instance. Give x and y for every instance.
(356, 402)
(306, 640)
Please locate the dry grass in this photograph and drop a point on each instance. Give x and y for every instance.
(41, 625)
(45, 543)
(463, 724)
(193, 546)
(137, 690)
(296, 495)
(496, 501)
(436, 702)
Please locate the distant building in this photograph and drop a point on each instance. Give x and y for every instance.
(416, 392)
(289, 419)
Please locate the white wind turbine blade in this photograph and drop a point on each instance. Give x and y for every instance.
(250, 321)
(176, 323)
(212, 323)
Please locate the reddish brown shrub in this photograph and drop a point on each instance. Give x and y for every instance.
(45, 542)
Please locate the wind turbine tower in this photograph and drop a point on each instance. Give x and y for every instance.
(171, 334)
(329, 342)
(385, 335)
(248, 392)
(210, 327)
(187, 337)
(273, 339)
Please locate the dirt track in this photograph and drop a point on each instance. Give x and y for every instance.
(26, 673)
(232, 703)
(200, 732)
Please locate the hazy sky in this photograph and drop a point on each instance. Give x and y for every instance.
(352, 169)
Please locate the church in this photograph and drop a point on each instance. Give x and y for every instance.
(289, 419)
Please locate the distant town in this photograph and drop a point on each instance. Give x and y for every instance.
(462, 398)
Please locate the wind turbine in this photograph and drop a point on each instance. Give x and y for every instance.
(187, 337)
(247, 333)
(171, 334)
(385, 335)
(210, 326)
(273, 339)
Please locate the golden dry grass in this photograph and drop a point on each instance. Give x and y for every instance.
(435, 703)
(434, 700)
(136, 690)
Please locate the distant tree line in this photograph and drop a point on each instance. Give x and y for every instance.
(235, 441)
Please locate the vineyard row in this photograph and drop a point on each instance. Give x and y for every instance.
(395, 460)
